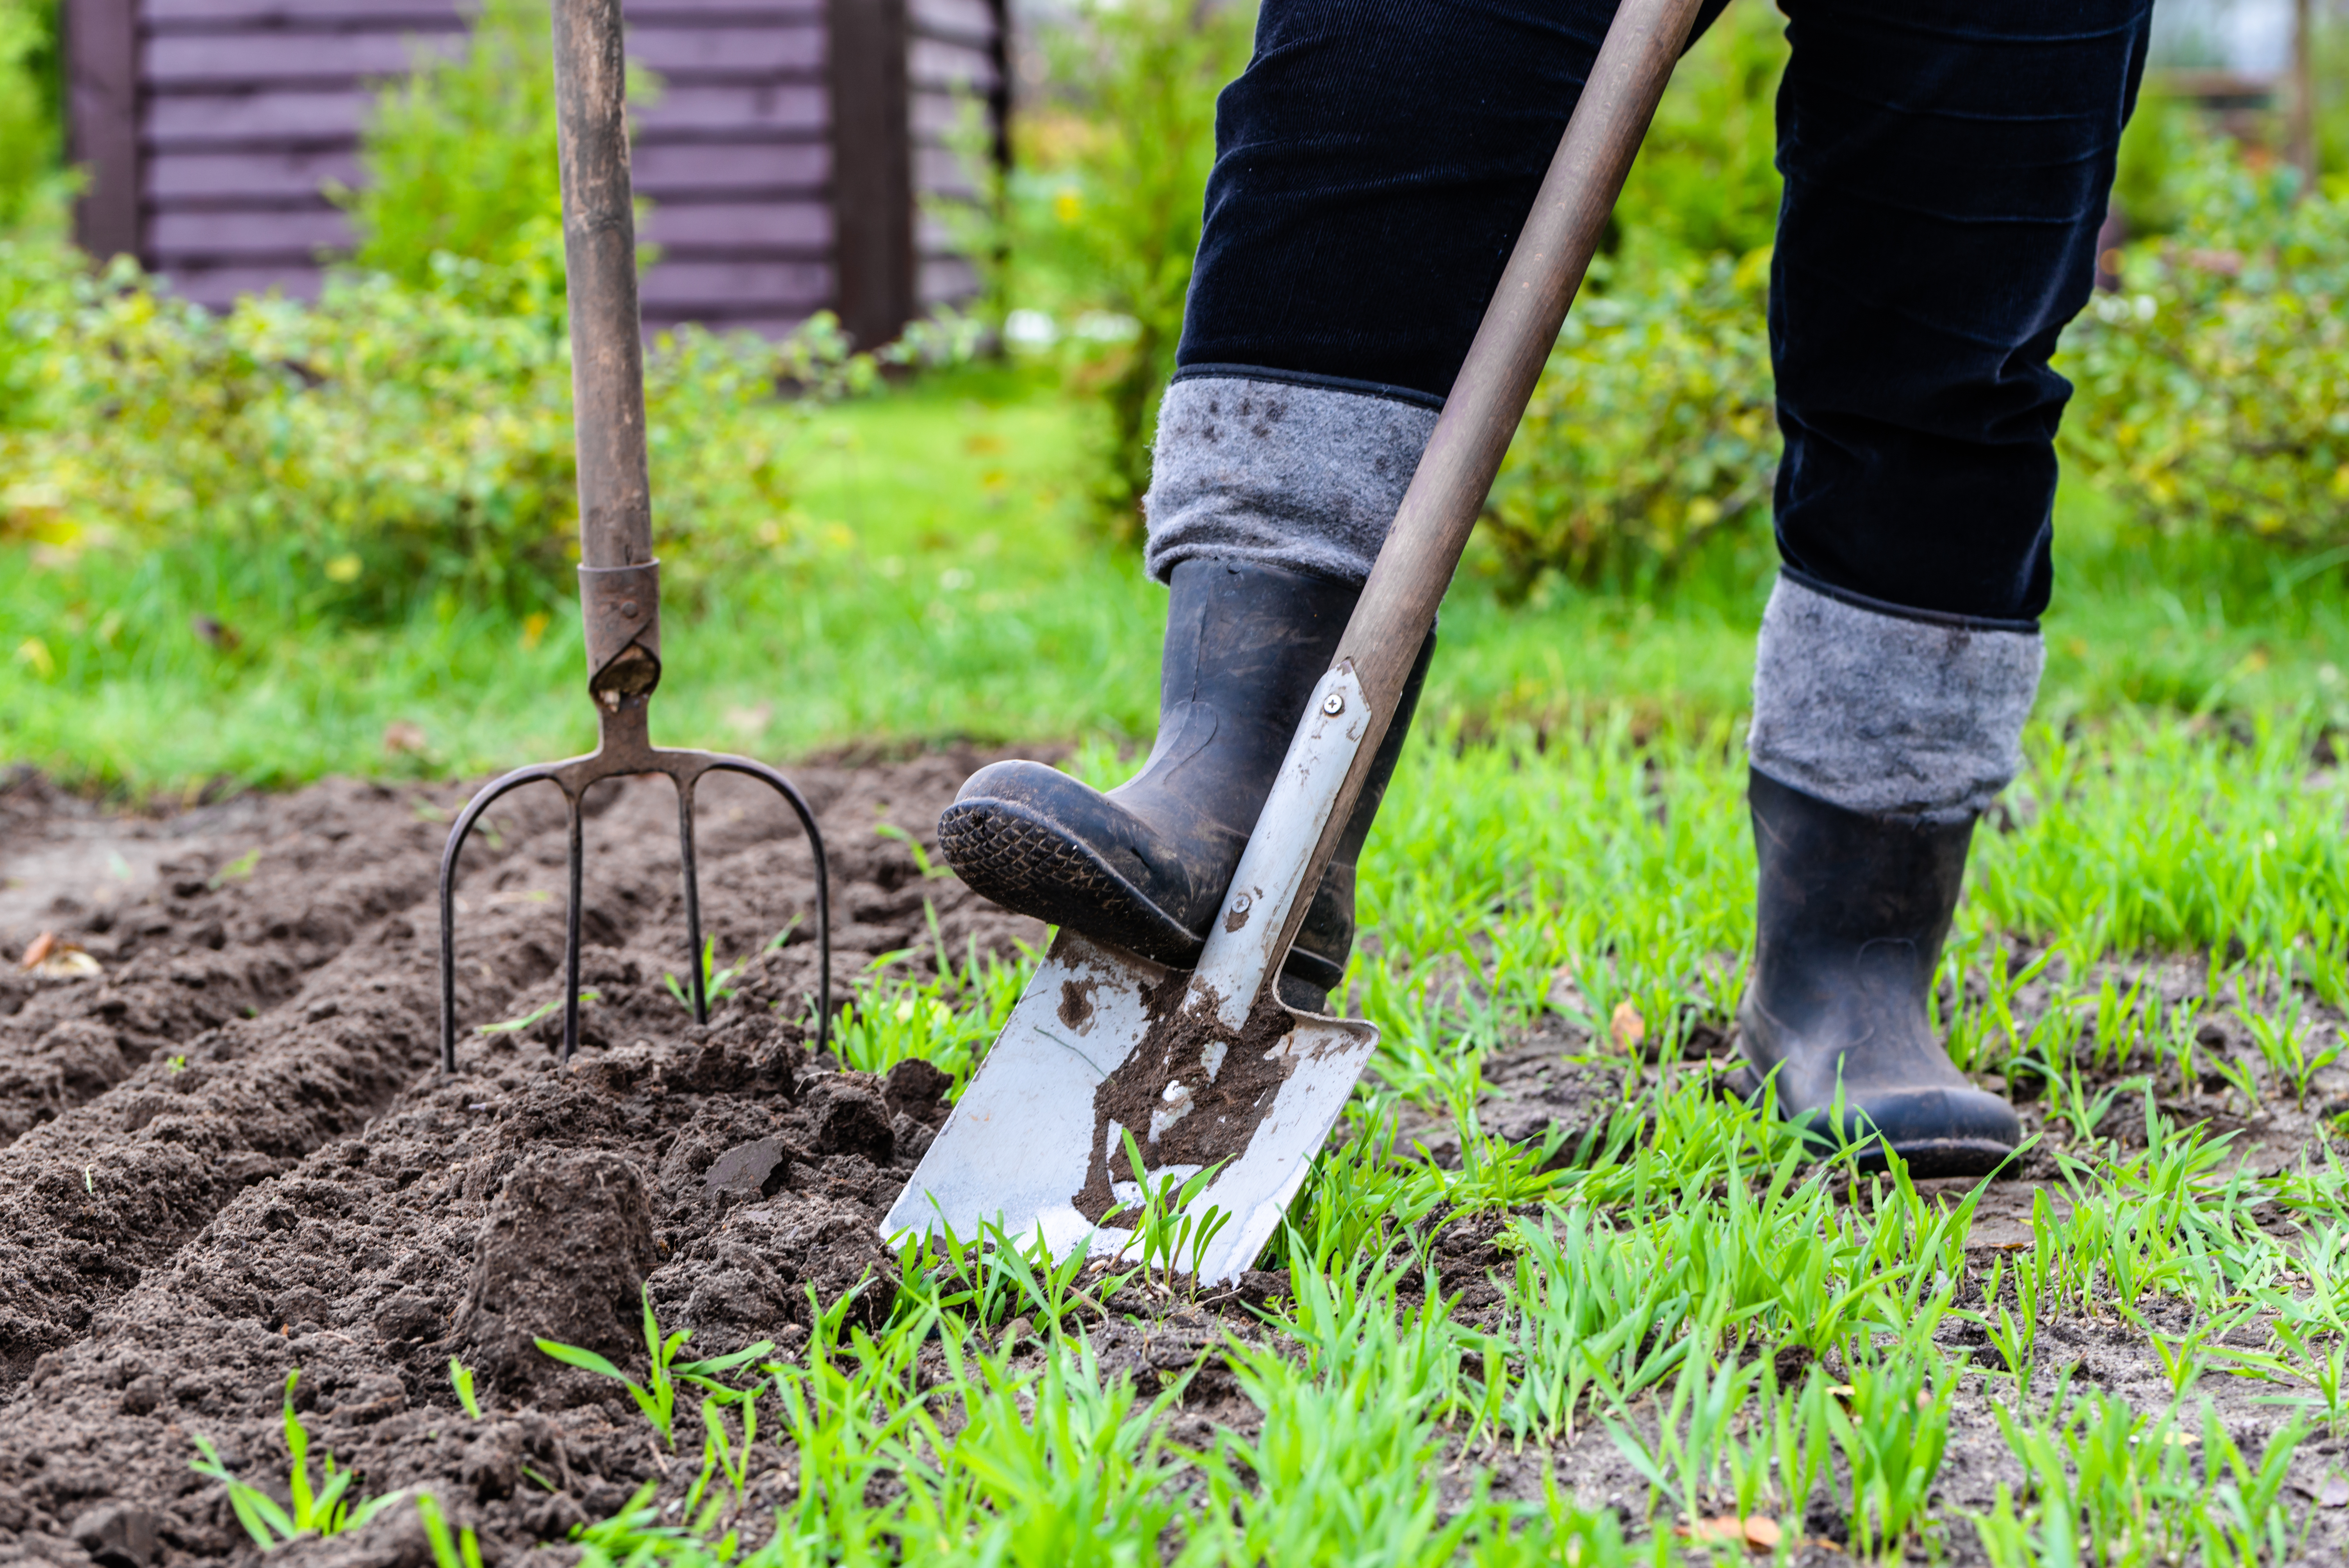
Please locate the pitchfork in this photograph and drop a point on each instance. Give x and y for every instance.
(619, 580)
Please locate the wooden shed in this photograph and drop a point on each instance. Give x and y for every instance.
(784, 160)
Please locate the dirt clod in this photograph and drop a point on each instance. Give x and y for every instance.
(564, 1256)
(749, 1171)
(917, 1090)
(117, 1536)
(854, 1121)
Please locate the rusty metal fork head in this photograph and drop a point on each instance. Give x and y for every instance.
(623, 624)
(619, 581)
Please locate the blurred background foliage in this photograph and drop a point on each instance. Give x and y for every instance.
(1101, 215)
(385, 447)
(405, 438)
(459, 159)
(32, 103)
(1651, 430)
(2213, 386)
(393, 461)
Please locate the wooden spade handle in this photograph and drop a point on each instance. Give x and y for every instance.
(1512, 342)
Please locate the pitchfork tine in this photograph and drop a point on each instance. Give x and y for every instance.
(578, 857)
(783, 787)
(456, 836)
(625, 752)
(692, 899)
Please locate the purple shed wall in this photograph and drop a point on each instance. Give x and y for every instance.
(210, 127)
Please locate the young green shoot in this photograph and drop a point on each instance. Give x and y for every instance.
(314, 1507)
(459, 1549)
(461, 1378)
(657, 1396)
(511, 1026)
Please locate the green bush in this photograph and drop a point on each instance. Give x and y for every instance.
(1653, 427)
(1105, 205)
(385, 446)
(458, 158)
(29, 104)
(407, 436)
(2213, 389)
(1706, 180)
(2162, 137)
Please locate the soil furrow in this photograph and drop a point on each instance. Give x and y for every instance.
(513, 1200)
(301, 1192)
(234, 920)
(110, 1189)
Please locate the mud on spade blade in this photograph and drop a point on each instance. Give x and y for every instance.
(1203, 1069)
(1100, 1045)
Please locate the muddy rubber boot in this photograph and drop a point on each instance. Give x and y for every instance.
(1145, 866)
(1852, 911)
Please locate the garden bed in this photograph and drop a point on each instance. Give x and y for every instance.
(228, 1158)
(229, 1154)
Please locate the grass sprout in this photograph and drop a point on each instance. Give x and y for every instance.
(461, 1378)
(460, 1548)
(1165, 1229)
(718, 985)
(511, 1026)
(312, 1508)
(657, 1396)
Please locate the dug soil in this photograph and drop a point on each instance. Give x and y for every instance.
(226, 1156)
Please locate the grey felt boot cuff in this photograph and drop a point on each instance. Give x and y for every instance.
(1887, 714)
(1301, 477)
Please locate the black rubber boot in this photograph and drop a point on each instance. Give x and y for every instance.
(1852, 912)
(1145, 866)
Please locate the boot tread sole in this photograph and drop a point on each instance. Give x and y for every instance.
(1029, 865)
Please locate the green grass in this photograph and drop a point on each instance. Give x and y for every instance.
(945, 579)
(1653, 1280)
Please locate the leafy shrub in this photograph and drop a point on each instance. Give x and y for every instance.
(29, 103)
(409, 435)
(2213, 389)
(385, 446)
(1652, 427)
(460, 157)
(2162, 136)
(1104, 203)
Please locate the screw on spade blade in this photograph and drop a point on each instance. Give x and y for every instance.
(619, 581)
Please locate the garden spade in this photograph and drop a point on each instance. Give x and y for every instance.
(1225, 1094)
(619, 580)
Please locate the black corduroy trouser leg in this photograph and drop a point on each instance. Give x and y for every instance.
(1947, 165)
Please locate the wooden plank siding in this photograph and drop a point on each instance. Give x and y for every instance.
(783, 160)
(956, 52)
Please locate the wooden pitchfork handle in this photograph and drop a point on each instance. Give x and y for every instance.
(619, 580)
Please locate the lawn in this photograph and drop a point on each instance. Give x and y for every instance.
(943, 578)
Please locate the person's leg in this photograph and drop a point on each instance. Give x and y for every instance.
(1947, 164)
(1373, 165)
